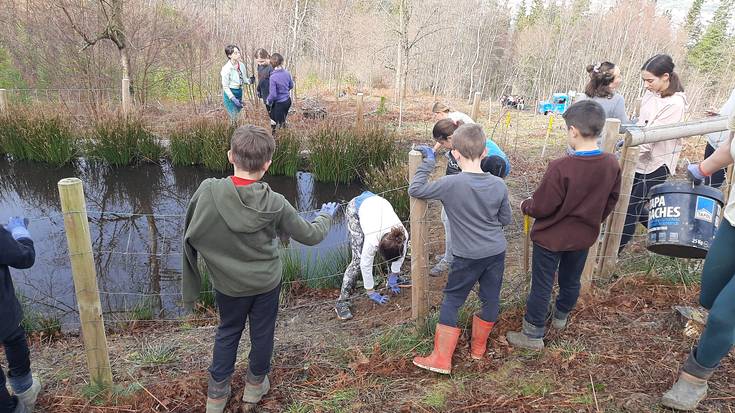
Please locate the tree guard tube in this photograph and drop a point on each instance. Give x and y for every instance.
(683, 219)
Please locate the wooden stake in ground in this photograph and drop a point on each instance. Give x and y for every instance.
(610, 135)
(360, 121)
(476, 107)
(419, 240)
(84, 274)
(611, 241)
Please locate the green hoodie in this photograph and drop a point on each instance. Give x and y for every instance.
(235, 229)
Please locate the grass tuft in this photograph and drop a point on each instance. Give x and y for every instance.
(287, 157)
(121, 141)
(151, 355)
(342, 155)
(37, 137)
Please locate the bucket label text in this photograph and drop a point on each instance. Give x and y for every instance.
(661, 214)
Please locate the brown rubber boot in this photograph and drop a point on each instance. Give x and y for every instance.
(480, 331)
(440, 360)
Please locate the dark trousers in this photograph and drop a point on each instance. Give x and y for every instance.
(19, 365)
(718, 177)
(463, 276)
(261, 311)
(279, 111)
(637, 209)
(718, 296)
(545, 264)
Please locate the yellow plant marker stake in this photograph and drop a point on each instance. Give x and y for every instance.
(507, 120)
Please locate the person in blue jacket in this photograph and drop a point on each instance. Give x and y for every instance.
(16, 250)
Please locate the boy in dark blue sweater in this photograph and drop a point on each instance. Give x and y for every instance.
(16, 250)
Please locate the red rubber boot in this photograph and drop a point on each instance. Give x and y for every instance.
(480, 331)
(440, 360)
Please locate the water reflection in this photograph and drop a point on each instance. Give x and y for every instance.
(136, 223)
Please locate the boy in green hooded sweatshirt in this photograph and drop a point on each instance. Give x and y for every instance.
(233, 223)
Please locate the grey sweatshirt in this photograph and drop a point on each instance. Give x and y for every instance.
(614, 108)
(477, 207)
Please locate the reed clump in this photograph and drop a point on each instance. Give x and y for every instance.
(37, 137)
(287, 157)
(121, 141)
(339, 154)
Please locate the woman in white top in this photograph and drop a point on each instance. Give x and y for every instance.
(234, 75)
(663, 103)
(442, 111)
(717, 293)
(373, 227)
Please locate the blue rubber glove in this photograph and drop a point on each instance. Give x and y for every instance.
(18, 228)
(695, 174)
(380, 299)
(619, 144)
(393, 283)
(426, 151)
(330, 208)
(236, 102)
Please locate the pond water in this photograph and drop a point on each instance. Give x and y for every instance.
(136, 217)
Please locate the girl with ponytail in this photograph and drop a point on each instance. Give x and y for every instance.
(663, 103)
(604, 81)
(373, 227)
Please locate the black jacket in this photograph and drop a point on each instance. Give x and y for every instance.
(17, 254)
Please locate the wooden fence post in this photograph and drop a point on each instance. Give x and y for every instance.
(610, 136)
(83, 270)
(125, 96)
(611, 241)
(476, 107)
(3, 101)
(419, 240)
(360, 121)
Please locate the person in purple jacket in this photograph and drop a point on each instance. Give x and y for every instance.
(280, 84)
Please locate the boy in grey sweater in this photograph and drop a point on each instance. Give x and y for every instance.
(477, 206)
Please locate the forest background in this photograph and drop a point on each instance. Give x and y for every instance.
(172, 50)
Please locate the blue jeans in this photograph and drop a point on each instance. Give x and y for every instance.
(232, 110)
(545, 263)
(19, 364)
(463, 276)
(261, 311)
(718, 295)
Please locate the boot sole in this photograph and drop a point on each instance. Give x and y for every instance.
(434, 369)
(672, 404)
